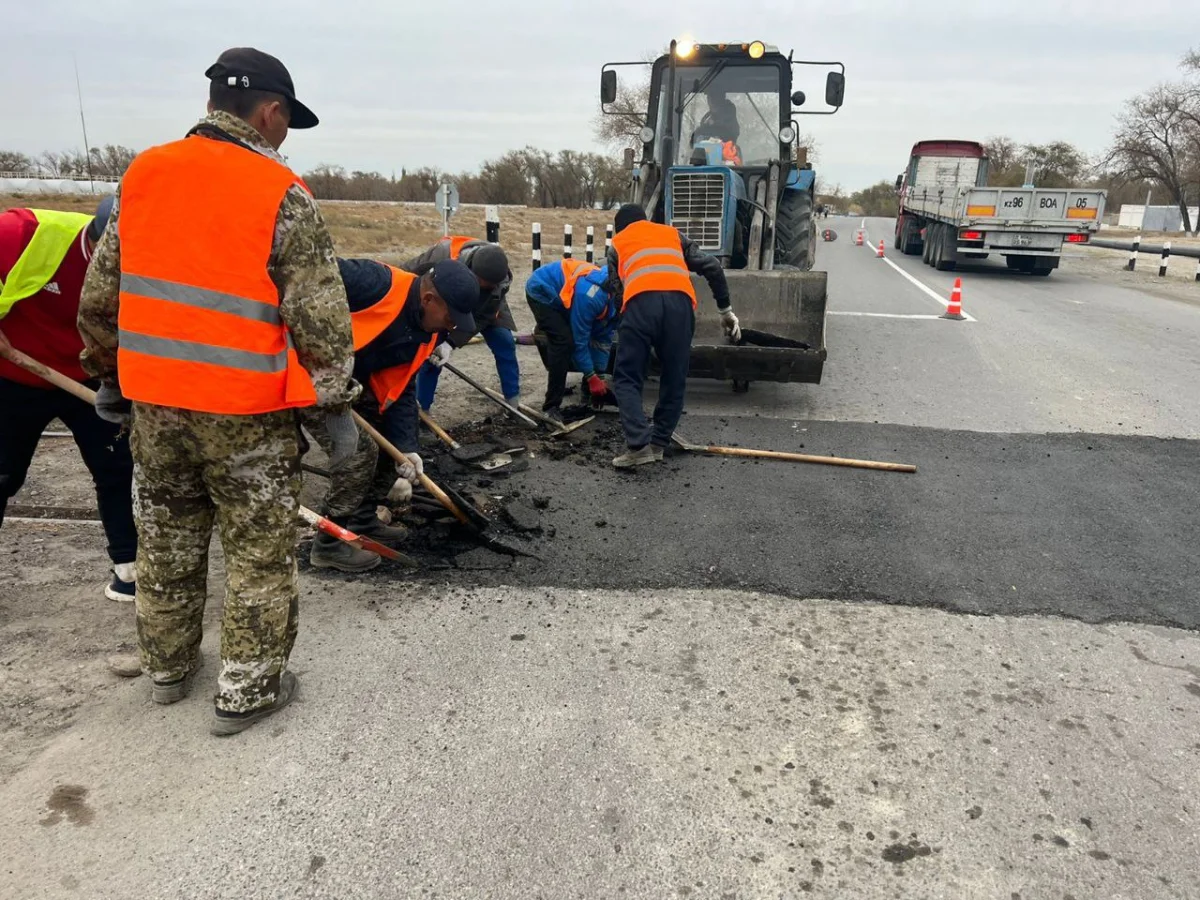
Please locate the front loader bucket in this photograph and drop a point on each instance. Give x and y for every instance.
(786, 303)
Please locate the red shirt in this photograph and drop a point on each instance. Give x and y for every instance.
(43, 325)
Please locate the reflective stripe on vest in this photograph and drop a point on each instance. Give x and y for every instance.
(370, 323)
(573, 270)
(651, 259)
(56, 233)
(199, 320)
(388, 384)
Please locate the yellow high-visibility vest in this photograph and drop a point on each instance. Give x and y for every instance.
(56, 232)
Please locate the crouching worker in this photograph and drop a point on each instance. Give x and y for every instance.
(578, 316)
(398, 320)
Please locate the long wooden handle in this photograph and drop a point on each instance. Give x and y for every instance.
(426, 482)
(441, 433)
(58, 379)
(492, 395)
(809, 458)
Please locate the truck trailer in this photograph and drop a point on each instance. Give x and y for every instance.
(948, 213)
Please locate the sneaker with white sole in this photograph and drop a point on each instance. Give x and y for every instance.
(123, 587)
(639, 457)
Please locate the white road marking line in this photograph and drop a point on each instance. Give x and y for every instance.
(967, 317)
(874, 315)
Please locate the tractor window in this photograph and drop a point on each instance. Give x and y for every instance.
(738, 103)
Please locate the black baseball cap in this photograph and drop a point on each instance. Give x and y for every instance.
(455, 284)
(248, 69)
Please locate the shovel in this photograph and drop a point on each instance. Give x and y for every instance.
(466, 513)
(492, 395)
(354, 540)
(678, 441)
(479, 455)
(557, 428)
(58, 379)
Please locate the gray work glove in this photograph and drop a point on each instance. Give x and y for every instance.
(440, 355)
(112, 406)
(344, 435)
(411, 469)
(733, 330)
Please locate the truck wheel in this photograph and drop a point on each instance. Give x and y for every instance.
(901, 230)
(794, 244)
(741, 386)
(928, 244)
(947, 259)
(1044, 265)
(1013, 262)
(910, 240)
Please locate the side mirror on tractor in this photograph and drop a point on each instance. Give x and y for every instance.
(608, 86)
(798, 98)
(835, 89)
(899, 181)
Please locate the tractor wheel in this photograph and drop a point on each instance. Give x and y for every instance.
(794, 244)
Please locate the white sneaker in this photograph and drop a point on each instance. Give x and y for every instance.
(123, 587)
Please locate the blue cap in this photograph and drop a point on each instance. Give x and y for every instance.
(103, 211)
(455, 284)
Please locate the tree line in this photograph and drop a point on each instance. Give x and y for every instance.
(107, 161)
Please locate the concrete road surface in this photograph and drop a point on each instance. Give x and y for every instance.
(737, 679)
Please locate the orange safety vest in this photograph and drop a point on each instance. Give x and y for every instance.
(457, 242)
(730, 153)
(199, 323)
(573, 270)
(388, 384)
(651, 259)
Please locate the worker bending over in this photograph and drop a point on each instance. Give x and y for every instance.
(648, 266)
(44, 256)
(212, 317)
(493, 318)
(578, 316)
(398, 319)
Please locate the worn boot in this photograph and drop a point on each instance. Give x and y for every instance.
(227, 723)
(168, 692)
(330, 553)
(377, 530)
(639, 457)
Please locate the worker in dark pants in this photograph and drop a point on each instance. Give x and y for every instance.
(578, 317)
(649, 267)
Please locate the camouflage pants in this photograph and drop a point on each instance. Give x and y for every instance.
(243, 472)
(363, 481)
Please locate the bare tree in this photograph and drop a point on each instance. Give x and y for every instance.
(12, 161)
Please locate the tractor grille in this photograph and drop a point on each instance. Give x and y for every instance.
(698, 206)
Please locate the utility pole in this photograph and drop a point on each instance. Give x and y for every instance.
(87, 150)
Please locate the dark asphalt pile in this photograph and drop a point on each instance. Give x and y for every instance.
(1092, 527)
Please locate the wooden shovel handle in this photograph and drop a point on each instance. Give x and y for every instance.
(426, 482)
(809, 458)
(58, 379)
(441, 433)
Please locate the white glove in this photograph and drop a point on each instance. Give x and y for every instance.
(441, 355)
(733, 330)
(401, 493)
(411, 470)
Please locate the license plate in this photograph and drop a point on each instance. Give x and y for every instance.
(1022, 240)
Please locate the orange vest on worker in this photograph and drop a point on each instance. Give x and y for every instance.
(651, 259)
(457, 242)
(573, 270)
(199, 318)
(730, 153)
(388, 384)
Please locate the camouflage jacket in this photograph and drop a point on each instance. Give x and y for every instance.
(312, 300)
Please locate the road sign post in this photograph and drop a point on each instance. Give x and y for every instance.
(446, 200)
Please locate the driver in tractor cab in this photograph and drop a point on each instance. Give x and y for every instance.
(720, 122)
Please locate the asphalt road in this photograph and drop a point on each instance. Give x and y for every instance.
(736, 679)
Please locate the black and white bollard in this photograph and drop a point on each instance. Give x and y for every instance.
(607, 238)
(536, 262)
(492, 220)
(1198, 268)
(590, 244)
(567, 232)
(1166, 258)
(1137, 243)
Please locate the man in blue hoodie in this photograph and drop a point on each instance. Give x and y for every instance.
(578, 317)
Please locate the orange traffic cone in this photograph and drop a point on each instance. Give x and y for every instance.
(858, 239)
(954, 310)
(879, 252)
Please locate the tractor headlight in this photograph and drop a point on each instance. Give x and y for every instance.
(684, 48)
(787, 134)
(757, 49)
(646, 135)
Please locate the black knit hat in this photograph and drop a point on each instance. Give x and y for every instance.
(627, 215)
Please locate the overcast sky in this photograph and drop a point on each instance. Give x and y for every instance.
(399, 83)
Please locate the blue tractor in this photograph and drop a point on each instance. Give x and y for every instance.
(719, 163)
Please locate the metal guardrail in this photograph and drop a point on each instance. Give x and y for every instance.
(1163, 251)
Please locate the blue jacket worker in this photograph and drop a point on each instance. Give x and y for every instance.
(578, 315)
(649, 266)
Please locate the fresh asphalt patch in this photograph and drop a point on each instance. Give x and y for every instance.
(1092, 527)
